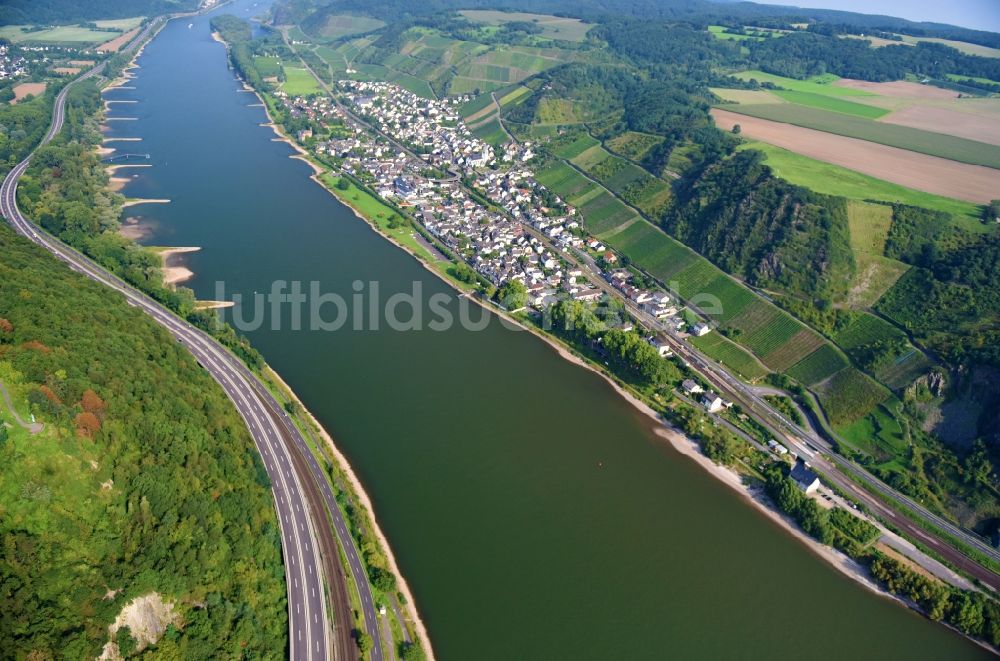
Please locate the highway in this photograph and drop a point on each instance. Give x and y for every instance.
(312, 524)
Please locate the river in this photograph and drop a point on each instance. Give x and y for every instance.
(535, 514)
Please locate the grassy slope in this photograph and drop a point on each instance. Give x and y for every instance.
(835, 180)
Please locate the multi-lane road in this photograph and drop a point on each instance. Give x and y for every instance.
(312, 524)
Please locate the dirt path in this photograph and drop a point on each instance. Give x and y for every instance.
(32, 427)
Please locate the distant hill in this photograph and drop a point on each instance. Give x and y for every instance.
(19, 12)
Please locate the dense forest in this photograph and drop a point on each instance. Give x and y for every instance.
(22, 127)
(765, 230)
(15, 12)
(804, 54)
(951, 299)
(143, 479)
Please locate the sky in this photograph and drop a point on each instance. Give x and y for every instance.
(976, 14)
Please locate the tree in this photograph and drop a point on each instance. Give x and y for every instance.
(343, 183)
(364, 641)
(991, 214)
(464, 272)
(411, 652)
(512, 295)
(737, 129)
(3, 433)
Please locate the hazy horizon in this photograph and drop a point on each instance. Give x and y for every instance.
(975, 14)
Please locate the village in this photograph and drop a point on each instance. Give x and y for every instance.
(522, 233)
(12, 65)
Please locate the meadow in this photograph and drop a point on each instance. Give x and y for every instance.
(299, 82)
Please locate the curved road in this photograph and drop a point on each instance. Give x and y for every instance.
(299, 485)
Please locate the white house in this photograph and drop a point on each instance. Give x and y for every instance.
(701, 329)
(806, 480)
(692, 387)
(712, 402)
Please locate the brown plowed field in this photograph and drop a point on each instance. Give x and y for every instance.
(940, 176)
(950, 122)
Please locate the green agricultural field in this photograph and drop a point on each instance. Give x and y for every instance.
(590, 157)
(769, 338)
(338, 26)
(892, 135)
(821, 364)
(515, 96)
(62, 34)
(299, 82)
(553, 27)
(695, 278)
(865, 329)
(717, 347)
(754, 317)
(463, 85)
(801, 345)
(604, 213)
(849, 396)
(577, 147)
(835, 180)
(491, 132)
(476, 105)
(562, 179)
(832, 103)
(824, 84)
(654, 251)
(633, 145)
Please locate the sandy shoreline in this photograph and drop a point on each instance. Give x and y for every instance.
(138, 200)
(175, 273)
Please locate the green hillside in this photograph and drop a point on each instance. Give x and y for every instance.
(144, 479)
